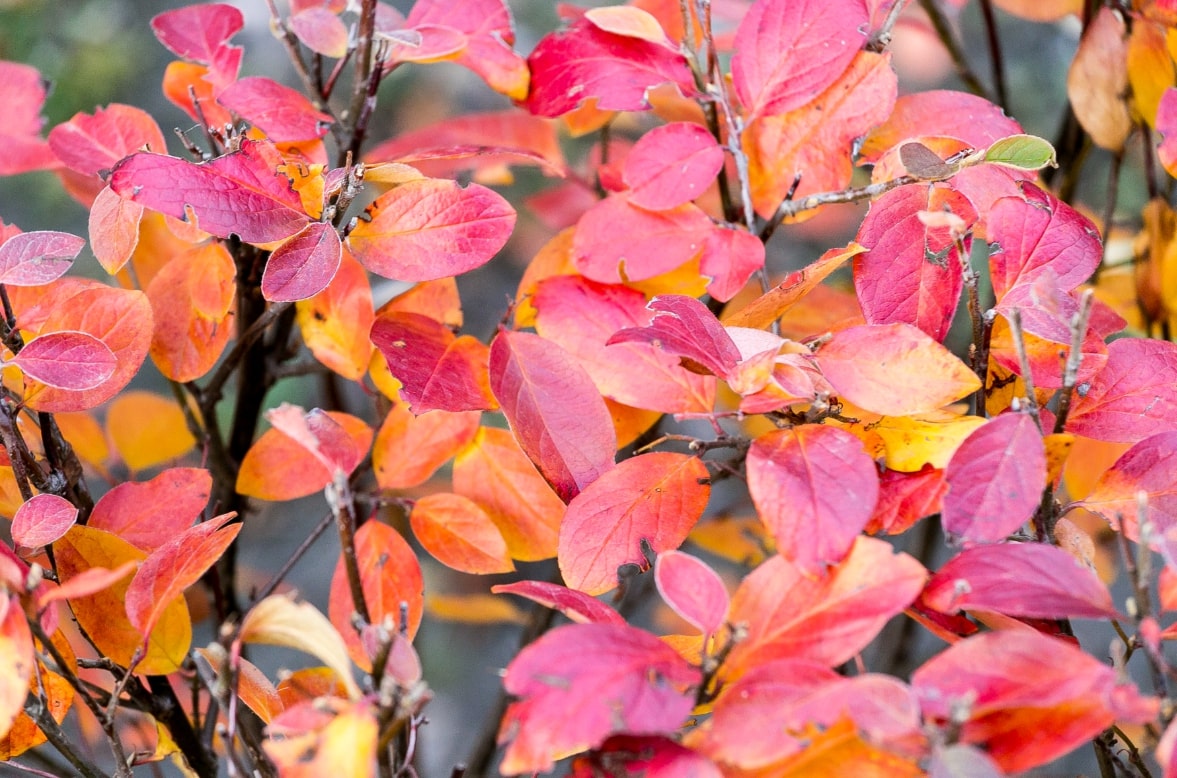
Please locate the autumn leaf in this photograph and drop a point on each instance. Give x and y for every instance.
(282, 113)
(459, 534)
(683, 326)
(241, 193)
(671, 165)
(650, 755)
(894, 369)
(1132, 397)
(776, 302)
(555, 412)
(335, 323)
(995, 480)
(617, 241)
(33, 258)
(71, 360)
(23, 92)
(42, 519)
(147, 429)
(576, 605)
(409, 448)
(1144, 471)
(277, 467)
(815, 489)
(429, 229)
(192, 299)
(653, 499)
(280, 621)
(582, 682)
(943, 112)
(692, 589)
(131, 509)
(1098, 80)
(304, 265)
(16, 664)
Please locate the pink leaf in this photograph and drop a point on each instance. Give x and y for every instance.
(683, 326)
(1036, 232)
(671, 165)
(131, 510)
(616, 240)
(320, 31)
(241, 193)
(92, 145)
(198, 32)
(730, 258)
(68, 359)
(943, 112)
(912, 271)
(429, 229)
(692, 589)
(788, 51)
(42, 519)
(282, 113)
(1132, 397)
(815, 489)
(1028, 580)
(323, 437)
(995, 480)
(652, 499)
(555, 411)
(438, 370)
(22, 93)
(615, 677)
(1149, 469)
(304, 265)
(584, 62)
(35, 258)
(576, 605)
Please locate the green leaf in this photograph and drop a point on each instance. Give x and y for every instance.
(1026, 152)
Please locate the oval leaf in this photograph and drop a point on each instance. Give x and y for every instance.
(671, 165)
(43, 519)
(995, 480)
(304, 265)
(692, 589)
(1024, 152)
(1149, 469)
(1134, 395)
(577, 606)
(34, 258)
(653, 499)
(76, 361)
(815, 489)
(459, 534)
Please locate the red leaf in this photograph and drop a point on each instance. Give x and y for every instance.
(616, 241)
(34, 258)
(429, 229)
(131, 510)
(198, 32)
(730, 257)
(585, 62)
(787, 53)
(671, 165)
(815, 489)
(652, 498)
(828, 619)
(577, 606)
(692, 589)
(650, 756)
(1029, 580)
(1148, 468)
(439, 371)
(581, 316)
(894, 370)
(92, 145)
(555, 412)
(912, 271)
(972, 119)
(1014, 684)
(1132, 397)
(241, 193)
(683, 326)
(17, 659)
(995, 480)
(1035, 232)
(22, 93)
(282, 113)
(71, 360)
(459, 534)
(489, 33)
(391, 576)
(42, 519)
(304, 265)
(174, 566)
(479, 141)
(582, 682)
(905, 498)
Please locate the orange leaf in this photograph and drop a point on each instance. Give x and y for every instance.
(894, 370)
(495, 473)
(656, 498)
(409, 449)
(16, 659)
(103, 614)
(390, 575)
(174, 566)
(280, 621)
(254, 689)
(192, 298)
(335, 322)
(279, 468)
(437, 299)
(774, 303)
(121, 319)
(58, 694)
(324, 737)
(459, 534)
(147, 429)
(1098, 80)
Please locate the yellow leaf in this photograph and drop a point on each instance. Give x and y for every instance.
(474, 609)
(280, 621)
(103, 615)
(147, 429)
(930, 438)
(1150, 69)
(336, 321)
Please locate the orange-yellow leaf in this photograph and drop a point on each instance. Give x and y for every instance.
(280, 621)
(192, 298)
(409, 449)
(1098, 81)
(58, 695)
(16, 659)
(336, 321)
(147, 429)
(459, 534)
(774, 303)
(103, 614)
(495, 473)
(277, 467)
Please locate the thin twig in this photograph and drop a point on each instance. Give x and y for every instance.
(944, 31)
(997, 61)
(1074, 359)
(298, 554)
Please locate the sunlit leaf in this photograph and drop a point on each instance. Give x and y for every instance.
(1132, 397)
(192, 298)
(147, 429)
(43, 519)
(335, 323)
(280, 621)
(279, 468)
(653, 499)
(71, 360)
(409, 449)
(131, 510)
(671, 165)
(33, 258)
(304, 265)
(692, 589)
(459, 534)
(1145, 470)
